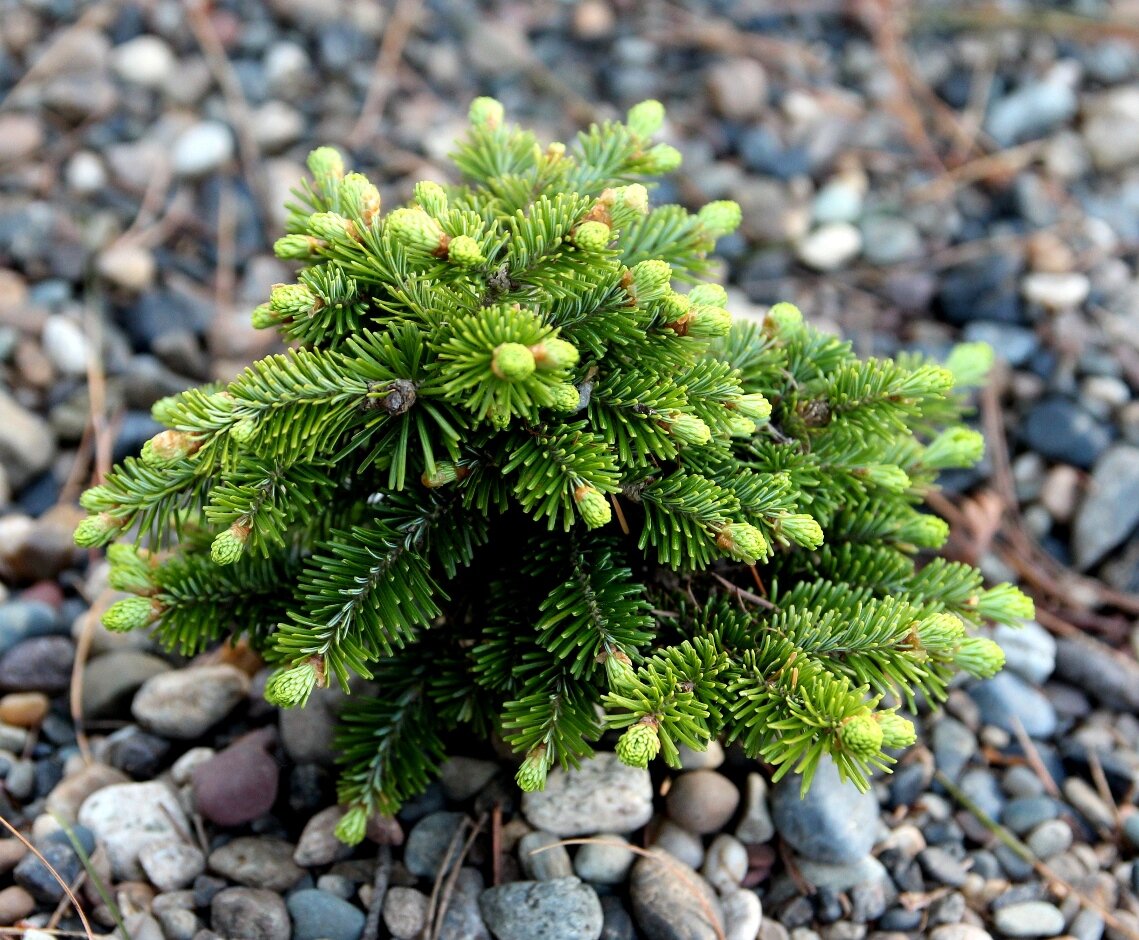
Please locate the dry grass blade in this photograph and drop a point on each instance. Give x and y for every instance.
(55, 874)
(396, 32)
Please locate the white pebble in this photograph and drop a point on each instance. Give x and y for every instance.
(1055, 291)
(85, 173)
(743, 915)
(65, 345)
(146, 61)
(725, 863)
(131, 267)
(830, 246)
(202, 148)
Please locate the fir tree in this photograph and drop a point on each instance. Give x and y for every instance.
(522, 470)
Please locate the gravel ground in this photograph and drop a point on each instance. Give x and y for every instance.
(912, 175)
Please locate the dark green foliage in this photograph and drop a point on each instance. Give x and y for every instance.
(521, 483)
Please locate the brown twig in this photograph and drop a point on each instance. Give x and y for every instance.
(743, 593)
(379, 889)
(396, 32)
(496, 844)
(1032, 755)
(437, 908)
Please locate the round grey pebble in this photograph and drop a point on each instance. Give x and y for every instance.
(602, 795)
(1007, 701)
(429, 841)
(1029, 919)
(1049, 839)
(543, 857)
(171, 864)
(606, 861)
(318, 915)
(405, 912)
(257, 862)
(563, 909)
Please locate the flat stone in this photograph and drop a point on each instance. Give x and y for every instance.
(1007, 701)
(126, 817)
(318, 915)
(672, 902)
(405, 912)
(602, 795)
(1056, 291)
(1108, 676)
(1110, 510)
(1030, 651)
(318, 844)
(24, 709)
(41, 664)
(702, 801)
(185, 703)
(250, 913)
(1059, 429)
(202, 148)
(429, 842)
(67, 796)
(257, 862)
(562, 909)
(171, 864)
(832, 823)
(604, 861)
(111, 681)
(1029, 919)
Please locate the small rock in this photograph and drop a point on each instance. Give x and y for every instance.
(984, 289)
(69, 794)
(65, 345)
(602, 795)
(672, 902)
(756, 826)
(959, 932)
(463, 777)
(1025, 813)
(844, 876)
(564, 909)
(275, 125)
(429, 843)
(1055, 291)
(1110, 510)
(1030, 651)
(462, 920)
(1049, 839)
(171, 864)
(743, 915)
(840, 199)
(318, 844)
(888, 240)
(679, 843)
(1085, 799)
(127, 265)
(202, 148)
(126, 817)
(15, 905)
(257, 862)
(111, 681)
(135, 752)
(405, 912)
(250, 912)
(318, 915)
(1111, 128)
(41, 664)
(543, 858)
(942, 867)
(832, 823)
(1101, 672)
(1008, 702)
(830, 247)
(239, 784)
(183, 704)
(42, 881)
(725, 863)
(708, 759)
(145, 60)
(1059, 429)
(606, 861)
(702, 801)
(1031, 111)
(24, 709)
(737, 88)
(11, 851)
(1014, 344)
(1029, 919)
(27, 446)
(306, 733)
(21, 136)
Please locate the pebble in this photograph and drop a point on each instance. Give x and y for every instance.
(832, 823)
(67, 796)
(942, 867)
(462, 920)
(125, 817)
(889, 240)
(23, 619)
(15, 905)
(605, 861)
(306, 733)
(21, 136)
(275, 125)
(257, 862)
(543, 858)
(671, 901)
(429, 843)
(202, 148)
(318, 915)
(959, 932)
(679, 843)
(24, 709)
(185, 703)
(562, 909)
(129, 266)
(463, 777)
(318, 844)
(1059, 429)
(1111, 678)
(602, 795)
(1049, 839)
(65, 345)
(755, 826)
(1084, 798)
(250, 912)
(171, 864)
(27, 446)
(1032, 110)
(1111, 128)
(1025, 813)
(405, 912)
(239, 784)
(702, 801)
(737, 88)
(1110, 510)
(1055, 291)
(145, 60)
(111, 681)
(725, 863)
(843, 876)
(1029, 919)
(1008, 702)
(1030, 651)
(708, 759)
(830, 246)
(984, 289)
(743, 914)
(43, 881)
(1015, 344)
(41, 664)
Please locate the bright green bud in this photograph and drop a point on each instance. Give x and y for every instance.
(923, 531)
(486, 112)
(650, 280)
(619, 670)
(168, 447)
(291, 687)
(754, 406)
(264, 318)
(326, 166)
(292, 300)
(96, 498)
(861, 735)
(1005, 603)
(592, 236)
(739, 426)
(228, 546)
(897, 732)
(353, 826)
(131, 613)
(592, 506)
(566, 398)
(940, 634)
(742, 541)
(431, 197)
(800, 528)
(359, 198)
(885, 476)
(639, 744)
(464, 251)
(553, 354)
(688, 429)
(499, 420)
(661, 159)
(242, 431)
(445, 473)
(708, 295)
(415, 229)
(674, 306)
(646, 118)
(332, 227)
(512, 362)
(129, 570)
(783, 319)
(720, 218)
(980, 657)
(954, 448)
(96, 530)
(297, 247)
(531, 775)
(708, 322)
(634, 196)
(970, 364)
(165, 409)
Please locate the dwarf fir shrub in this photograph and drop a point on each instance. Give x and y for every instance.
(522, 470)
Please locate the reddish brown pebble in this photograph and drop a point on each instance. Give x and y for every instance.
(15, 905)
(239, 784)
(385, 830)
(24, 709)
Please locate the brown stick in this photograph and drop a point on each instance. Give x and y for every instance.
(396, 32)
